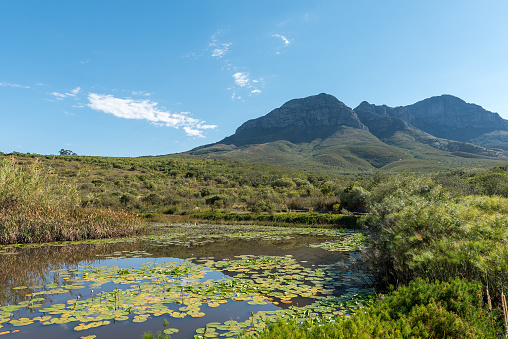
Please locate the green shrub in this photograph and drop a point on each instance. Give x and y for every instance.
(354, 198)
(126, 198)
(283, 182)
(152, 199)
(218, 200)
(421, 310)
(426, 232)
(206, 191)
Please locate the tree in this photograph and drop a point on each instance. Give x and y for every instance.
(66, 152)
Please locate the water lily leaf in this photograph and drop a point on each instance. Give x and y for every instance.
(170, 331)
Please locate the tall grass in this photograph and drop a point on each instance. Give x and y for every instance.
(35, 207)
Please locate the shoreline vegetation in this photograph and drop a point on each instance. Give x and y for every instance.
(36, 207)
(438, 241)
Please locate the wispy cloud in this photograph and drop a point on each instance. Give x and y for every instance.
(147, 110)
(143, 93)
(61, 96)
(241, 79)
(219, 49)
(8, 84)
(286, 41)
(244, 81)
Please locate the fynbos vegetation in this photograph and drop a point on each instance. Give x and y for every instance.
(449, 229)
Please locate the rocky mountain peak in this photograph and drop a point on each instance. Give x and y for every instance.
(307, 114)
(297, 120)
(447, 116)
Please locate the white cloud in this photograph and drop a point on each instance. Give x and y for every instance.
(8, 84)
(58, 96)
(146, 110)
(73, 92)
(193, 132)
(61, 96)
(255, 91)
(219, 49)
(241, 79)
(286, 41)
(146, 94)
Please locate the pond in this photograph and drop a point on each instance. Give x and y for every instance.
(182, 280)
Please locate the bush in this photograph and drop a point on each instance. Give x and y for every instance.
(126, 198)
(283, 182)
(426, 232)
(152, 199)
(218, 200)
(421, 310)
(206, 191)
(354, 198)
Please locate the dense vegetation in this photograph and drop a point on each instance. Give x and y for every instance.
(421, 310)
(440, 227)
(37, 207)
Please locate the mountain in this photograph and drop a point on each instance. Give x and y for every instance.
(446, 117)
(323, 134)
(298, 120)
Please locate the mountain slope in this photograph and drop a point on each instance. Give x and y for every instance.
(298, 120)
(444, 116)
(323, 134)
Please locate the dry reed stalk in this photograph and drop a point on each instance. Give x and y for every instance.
(488, 298)
(505, 312)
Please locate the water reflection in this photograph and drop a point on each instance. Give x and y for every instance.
(35, 269)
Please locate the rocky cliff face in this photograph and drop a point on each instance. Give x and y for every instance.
(307, 113)
(322, 115)
(444, 116)
(394, 112)
(298, 120)
(449, 117)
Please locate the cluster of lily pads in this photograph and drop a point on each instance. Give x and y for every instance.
(197, 234)
(97, 296)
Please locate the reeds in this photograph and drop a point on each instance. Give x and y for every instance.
(35, 207)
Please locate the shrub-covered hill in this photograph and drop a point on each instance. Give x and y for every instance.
(175, 185)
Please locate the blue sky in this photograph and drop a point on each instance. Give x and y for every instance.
(132, 78)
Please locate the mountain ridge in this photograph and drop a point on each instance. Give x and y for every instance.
(322, 132)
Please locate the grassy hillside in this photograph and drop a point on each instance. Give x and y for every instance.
(352, 151)
(184, 185)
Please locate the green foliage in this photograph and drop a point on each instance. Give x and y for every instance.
(66, 152)
(348, 221)
(451, 309)
(158, 335)
(424, 231)
(219, 200)
(283, 182)
(354, 198)
(206, 191)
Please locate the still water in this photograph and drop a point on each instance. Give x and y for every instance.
(182, 280)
